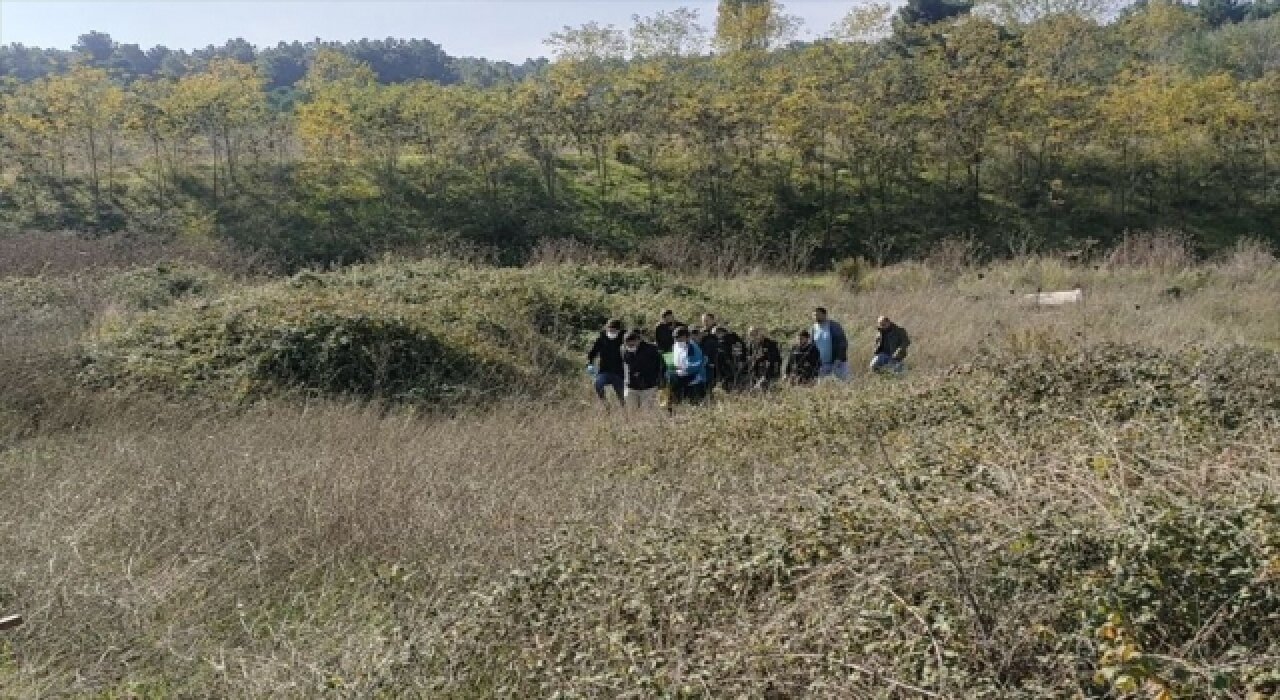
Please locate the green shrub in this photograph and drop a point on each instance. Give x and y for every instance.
(852, 272)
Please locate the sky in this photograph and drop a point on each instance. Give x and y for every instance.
(511, 30)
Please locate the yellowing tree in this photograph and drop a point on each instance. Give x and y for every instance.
(219, 104)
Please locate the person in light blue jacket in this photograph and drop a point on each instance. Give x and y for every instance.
(832, 344)
(689, 383)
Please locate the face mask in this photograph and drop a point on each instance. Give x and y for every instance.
(612, 335)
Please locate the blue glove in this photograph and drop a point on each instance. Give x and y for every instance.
(591, 370)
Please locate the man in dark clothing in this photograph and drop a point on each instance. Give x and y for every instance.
(805, 361)
(605, 360)
(733, 359)
(892, 342)
(764, 359)
(664, 333)
(710, 346)
(646, 371)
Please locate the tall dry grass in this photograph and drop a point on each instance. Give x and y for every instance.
(162, 548)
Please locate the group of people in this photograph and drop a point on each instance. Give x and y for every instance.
(690, 362)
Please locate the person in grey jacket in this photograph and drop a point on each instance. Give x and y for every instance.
(832, 344)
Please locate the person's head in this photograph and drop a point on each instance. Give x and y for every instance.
(883, 323)
(721, 331)
(708, 320)
(803, 338)
(754, 333)
(632, 340)
(668, 315)
(820, 315)
(613, 328)
(695, 334)
(682, 334)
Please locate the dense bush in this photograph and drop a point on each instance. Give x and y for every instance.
(901, 573)
(429, 331)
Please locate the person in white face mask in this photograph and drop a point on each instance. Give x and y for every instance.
(605, 360)
(689, 383)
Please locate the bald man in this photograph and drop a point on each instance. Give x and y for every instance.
(892, 342)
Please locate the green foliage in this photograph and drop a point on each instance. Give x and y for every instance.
(852, 272)
(1010, 137)
(817, 586)
(435, 331)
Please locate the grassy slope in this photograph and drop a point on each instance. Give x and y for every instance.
(1098, 506)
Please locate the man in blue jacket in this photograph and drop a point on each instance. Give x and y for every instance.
(832, 344)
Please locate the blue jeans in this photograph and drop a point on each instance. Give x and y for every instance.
(887, 363)
(839, 370)
(604, 379)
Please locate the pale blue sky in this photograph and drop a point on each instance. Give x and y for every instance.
(512, 29)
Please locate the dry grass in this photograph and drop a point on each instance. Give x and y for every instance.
(288, 550)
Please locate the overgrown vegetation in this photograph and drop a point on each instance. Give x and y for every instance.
(227, 486)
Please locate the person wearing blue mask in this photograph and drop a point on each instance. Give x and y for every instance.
(832, 344)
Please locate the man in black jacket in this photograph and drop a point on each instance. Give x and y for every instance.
(646, 371)
(805, 361)
(605, 360)
(664, 333)
(710, 346)
(892, 342)
(764, 359)
(733, 359)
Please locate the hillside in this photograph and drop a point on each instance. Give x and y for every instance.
(213, 491)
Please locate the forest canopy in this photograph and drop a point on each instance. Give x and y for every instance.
(1017, 125)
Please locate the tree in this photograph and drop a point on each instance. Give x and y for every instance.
(752, 26)
(674, 34)
(95, 47)
(924, 12)
(219, 104)
(91, 106)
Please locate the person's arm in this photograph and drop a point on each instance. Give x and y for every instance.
(839, 343)
(901, 352)
(696, 359)
(594, 352)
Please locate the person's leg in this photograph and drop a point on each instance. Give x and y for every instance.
(619, 385)
(602, 380)
(880, 362)
(841, 371)
(825, 370)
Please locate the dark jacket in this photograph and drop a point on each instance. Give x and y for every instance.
(765, 359)
(733, 354)
(804, 363)
(710, 346)
(893, 341)
(839, 342)
(645, 367)
(609, 352)
(664, 336)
